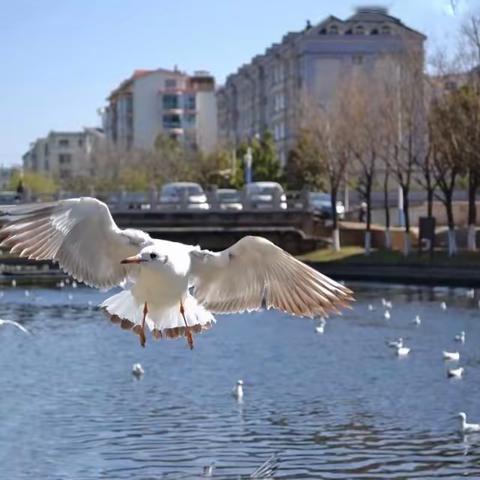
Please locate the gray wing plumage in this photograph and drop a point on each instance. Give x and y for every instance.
(80, 234)
(254, 273)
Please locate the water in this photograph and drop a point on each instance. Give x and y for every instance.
(333, 406)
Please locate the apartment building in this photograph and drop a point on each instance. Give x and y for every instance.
(64, 155)
(267, 93)
(169, 102)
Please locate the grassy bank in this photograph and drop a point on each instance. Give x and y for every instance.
(356, 256)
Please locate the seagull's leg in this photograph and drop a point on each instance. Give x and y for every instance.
(142, 331)
(187, 328)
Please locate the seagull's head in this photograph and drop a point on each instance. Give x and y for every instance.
(149, 255)
(239, 382)
(462, 416)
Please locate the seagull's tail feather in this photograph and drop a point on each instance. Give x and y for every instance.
(125, 310)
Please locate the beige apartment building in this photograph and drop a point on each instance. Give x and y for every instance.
(267, 93)
(169, 102)
(64, 155)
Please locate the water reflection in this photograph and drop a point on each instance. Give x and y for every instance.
(334, 406)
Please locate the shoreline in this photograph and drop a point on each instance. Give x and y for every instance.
(463, 276)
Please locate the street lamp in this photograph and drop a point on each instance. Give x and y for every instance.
(248, 158)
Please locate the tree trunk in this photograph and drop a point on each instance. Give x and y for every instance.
(406, 218)
(429, 201)
(452, 241)
(335, 231)
(368, 233)
(472, 211)
(388, 235)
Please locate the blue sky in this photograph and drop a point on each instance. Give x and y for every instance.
(60, 58)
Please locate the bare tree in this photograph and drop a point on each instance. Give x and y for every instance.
(404, 118)
(327, 137)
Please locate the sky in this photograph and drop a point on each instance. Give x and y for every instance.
(61, 58)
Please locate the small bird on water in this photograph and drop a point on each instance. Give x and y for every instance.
(455, 372)
(467, 427)
(455, 356)
(137, 370)
(460, 337)
(170, 288)
(237, 391)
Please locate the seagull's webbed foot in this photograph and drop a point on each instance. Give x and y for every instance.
(187, 328)
(141, 334)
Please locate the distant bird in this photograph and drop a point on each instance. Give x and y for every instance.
(470, 293)
(74, 284)
(137, 370)
(386, 303)
(170, 288)
(320, 328)
(14, 283)
(61, 284)
(16, 324)
(417, 320)
(237, 391)
(371, 308)
(267, 469)
(396, 343)
(455, 372)
(208, 470)
(387, 315)
(455, 356)
(443, 306)
(403, 351)
(460, 337)
(27, 293)
(467, 427)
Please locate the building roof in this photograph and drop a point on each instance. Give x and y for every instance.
(365, 14)
(140, 73)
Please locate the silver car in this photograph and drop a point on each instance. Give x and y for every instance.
(178, 195)
(265, 195)
(229, 199)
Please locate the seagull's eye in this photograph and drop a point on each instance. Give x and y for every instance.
(153, 256)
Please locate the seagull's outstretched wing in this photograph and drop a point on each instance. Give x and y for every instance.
(16, 324)
(254, 273)
(80, 234)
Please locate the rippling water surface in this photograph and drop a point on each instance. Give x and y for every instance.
(332, 406)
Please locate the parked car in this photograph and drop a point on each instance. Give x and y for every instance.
(321, 204)
(179, 195)
(265, 195)
(229, 199)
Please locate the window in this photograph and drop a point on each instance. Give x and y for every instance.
(171, 121)
(80, 142)
(279, 102)
(170, 101)
(170, 83)
(359, 30)
(65, 174)
(190, 119)
(374, 31)
(386, 30)
(190, 103)
(333, 30)
(46, 149)
(279, 131)
(64, 159)
(63, 142)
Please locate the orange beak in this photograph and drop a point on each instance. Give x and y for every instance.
(134, 259)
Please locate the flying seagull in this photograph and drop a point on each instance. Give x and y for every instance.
(171, 288)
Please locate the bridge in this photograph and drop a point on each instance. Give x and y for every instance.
(295, 230)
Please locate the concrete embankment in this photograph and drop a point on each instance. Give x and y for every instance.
(463, 276)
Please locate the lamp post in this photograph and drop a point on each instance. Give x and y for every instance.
(248, 159)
